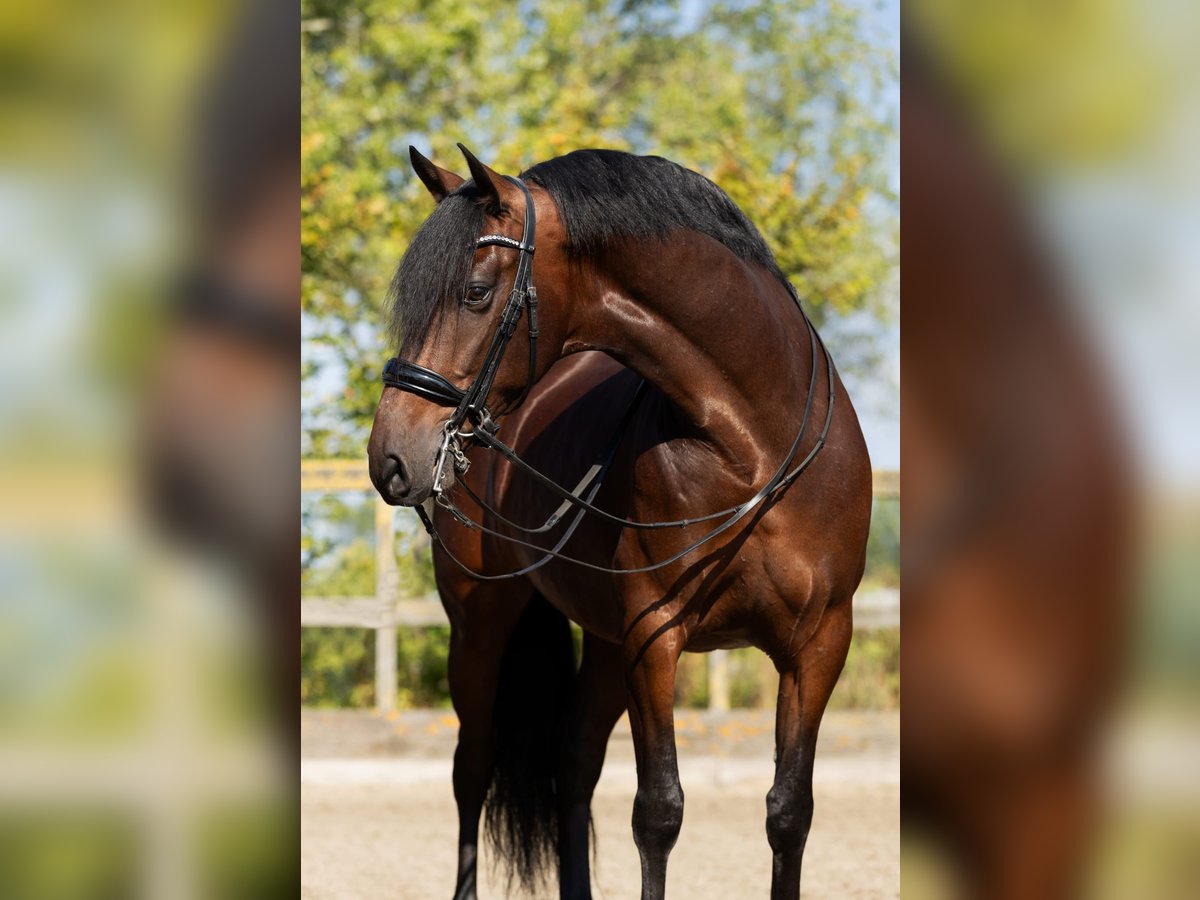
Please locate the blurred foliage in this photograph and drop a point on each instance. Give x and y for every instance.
(347, 571)
(423, 667)
(883, 545)
(64, 854)
(871, 678)
(245, 850)
(1168, 668)
(1148, 849)
(337, 667)
(691, 681)
(72, 660)
(778, 101)
(1061, 85)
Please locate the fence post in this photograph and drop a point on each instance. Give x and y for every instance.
(718, 680)
(385, 668)
(386, 584)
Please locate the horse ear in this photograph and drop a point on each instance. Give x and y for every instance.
(440, 182)
(489, 182)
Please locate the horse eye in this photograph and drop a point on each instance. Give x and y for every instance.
(477, 293)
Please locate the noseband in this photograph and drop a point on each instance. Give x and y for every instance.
(471, 404)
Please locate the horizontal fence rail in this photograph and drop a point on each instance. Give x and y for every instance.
(388, 608)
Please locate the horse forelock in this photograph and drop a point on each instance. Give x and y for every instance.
(434, 268)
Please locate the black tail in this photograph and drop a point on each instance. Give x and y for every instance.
(536, 680)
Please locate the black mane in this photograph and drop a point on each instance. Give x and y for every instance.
(603, 196)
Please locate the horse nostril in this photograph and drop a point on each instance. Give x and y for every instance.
(397, 482)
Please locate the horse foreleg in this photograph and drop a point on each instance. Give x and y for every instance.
(598, 702)
(805, 682)
(651, 660)
(477, 643)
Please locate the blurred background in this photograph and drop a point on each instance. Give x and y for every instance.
(148, 421)
(1052, 449)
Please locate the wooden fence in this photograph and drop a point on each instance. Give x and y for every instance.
(388, 608)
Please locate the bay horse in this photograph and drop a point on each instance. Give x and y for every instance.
(646, 438)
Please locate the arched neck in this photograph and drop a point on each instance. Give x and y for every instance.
(720, 337)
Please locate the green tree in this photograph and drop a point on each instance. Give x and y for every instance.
(778, 101)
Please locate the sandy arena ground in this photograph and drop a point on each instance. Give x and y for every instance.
(379, 819)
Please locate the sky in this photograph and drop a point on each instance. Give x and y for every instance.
(877, 398)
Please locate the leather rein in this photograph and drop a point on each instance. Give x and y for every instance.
(471, 404)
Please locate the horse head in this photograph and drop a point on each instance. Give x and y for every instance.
(466, 323)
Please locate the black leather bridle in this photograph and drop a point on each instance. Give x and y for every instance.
(471, 405)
